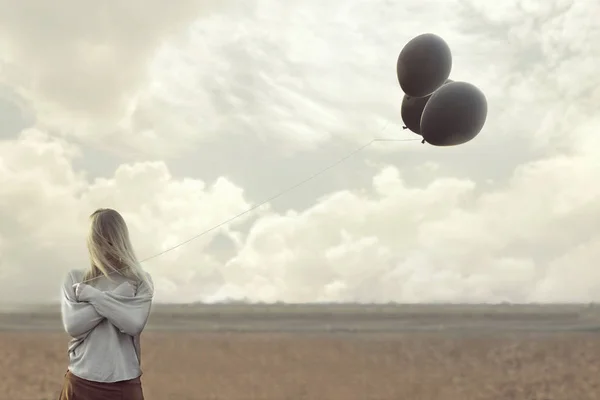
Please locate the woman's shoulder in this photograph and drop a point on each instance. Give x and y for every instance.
(72, 277)
(75, 274)
(147, 283)
(148, 279)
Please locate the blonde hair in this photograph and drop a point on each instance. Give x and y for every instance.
(110, 249)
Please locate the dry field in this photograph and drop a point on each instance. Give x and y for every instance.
(414, 366)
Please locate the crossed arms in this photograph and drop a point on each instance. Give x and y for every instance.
(83, 313)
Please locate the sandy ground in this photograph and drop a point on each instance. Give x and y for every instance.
(394, 366)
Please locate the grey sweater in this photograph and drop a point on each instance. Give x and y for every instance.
(105, 324)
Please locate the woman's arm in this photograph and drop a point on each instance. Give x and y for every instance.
(129, 314)
(78, 318)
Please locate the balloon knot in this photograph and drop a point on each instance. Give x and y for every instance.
(405, 127)
(423, 141)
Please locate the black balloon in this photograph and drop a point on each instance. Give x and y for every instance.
(412, 109)
(423, 65)
(454, 114)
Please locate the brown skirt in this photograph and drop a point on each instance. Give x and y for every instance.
(76, 388)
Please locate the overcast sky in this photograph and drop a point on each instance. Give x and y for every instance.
(182, 114)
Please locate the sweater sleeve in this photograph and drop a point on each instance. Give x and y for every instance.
(78, 318)
(129, 314)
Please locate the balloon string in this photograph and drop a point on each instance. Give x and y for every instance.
(276, 196)
(283, 192)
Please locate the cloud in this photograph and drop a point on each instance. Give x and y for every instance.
(82, 63)
(15, 113)
(44, 207)
(214, 112)
(84, 55)
(160, 81)
(438, 242)
(157, 81)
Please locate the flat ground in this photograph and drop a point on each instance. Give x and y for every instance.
(346, 364)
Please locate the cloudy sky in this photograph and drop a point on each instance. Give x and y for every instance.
(183, 114)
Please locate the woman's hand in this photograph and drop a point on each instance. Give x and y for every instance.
(83, 291)
(77, 289)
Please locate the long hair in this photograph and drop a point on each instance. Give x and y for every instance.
(110, 249)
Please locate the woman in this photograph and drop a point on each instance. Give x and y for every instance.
(104, 310)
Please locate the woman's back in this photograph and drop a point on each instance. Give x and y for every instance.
(104, 353)
(104, 310)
